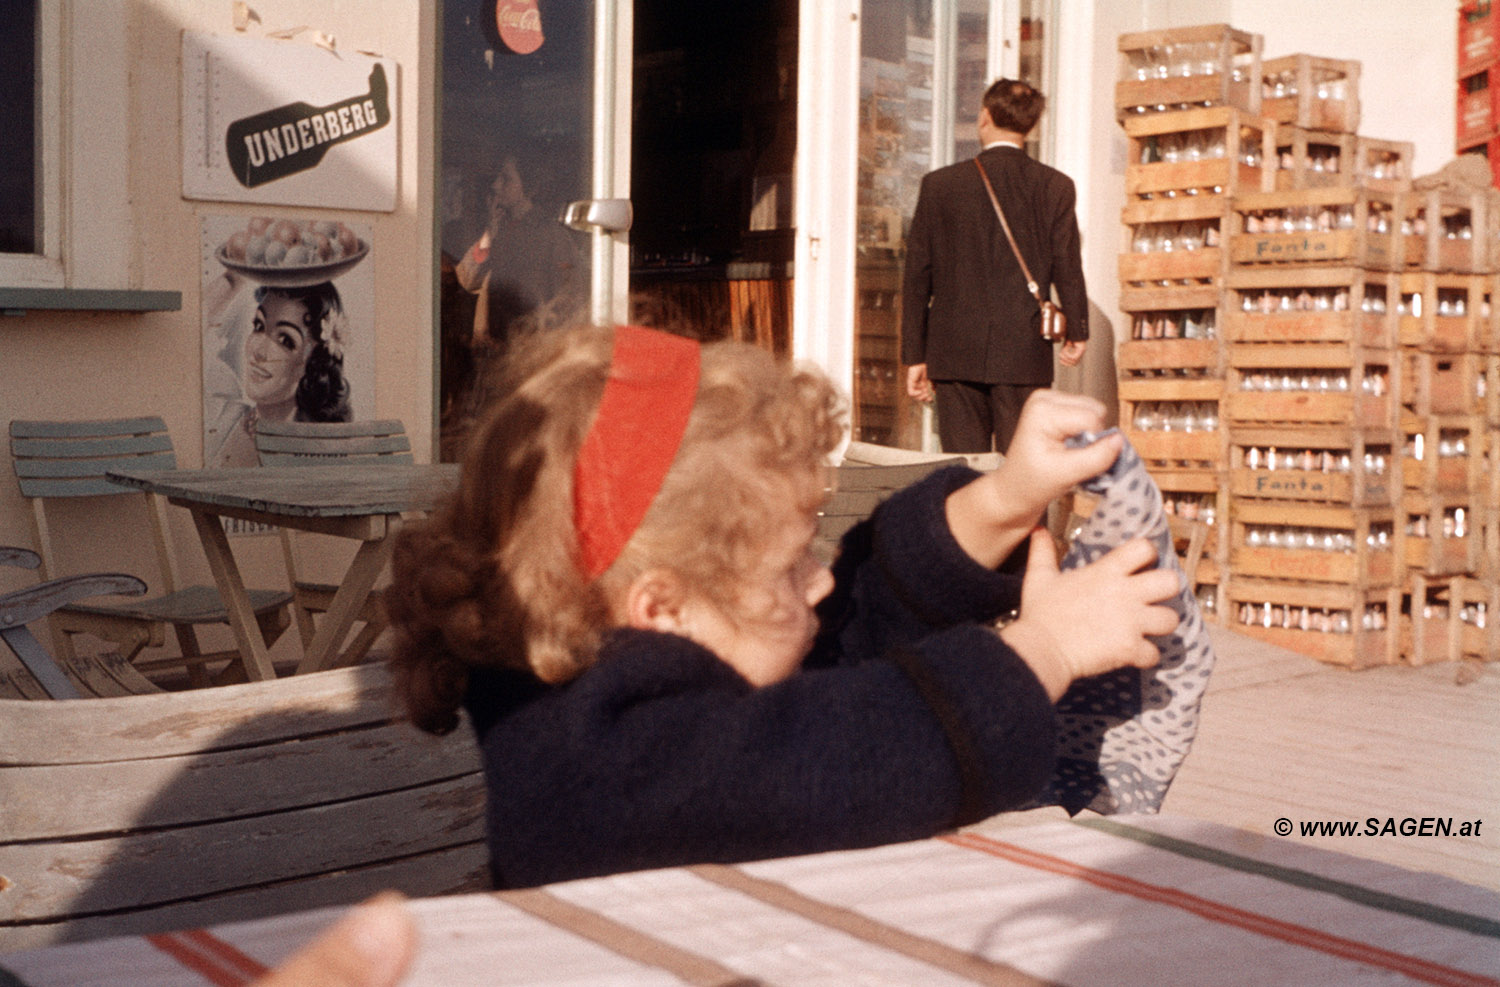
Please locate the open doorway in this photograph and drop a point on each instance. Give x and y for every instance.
(714, 135)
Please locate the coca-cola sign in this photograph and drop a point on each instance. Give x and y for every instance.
(520, 25)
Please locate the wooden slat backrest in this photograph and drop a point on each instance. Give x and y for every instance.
(306, 443)
(54, 459)
(69, 459)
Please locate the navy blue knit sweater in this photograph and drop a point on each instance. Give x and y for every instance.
(909, 717)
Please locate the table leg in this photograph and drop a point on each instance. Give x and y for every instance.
(247, 636)
(354, 589)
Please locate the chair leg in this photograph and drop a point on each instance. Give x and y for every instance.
(187, 639)
(361, 645)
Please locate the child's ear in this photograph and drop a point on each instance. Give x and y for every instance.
(654, 601)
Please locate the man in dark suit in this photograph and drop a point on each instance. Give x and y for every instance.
(970, 329)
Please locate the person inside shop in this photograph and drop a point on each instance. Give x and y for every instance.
(524, 267)
(624, 594)
(970, 326)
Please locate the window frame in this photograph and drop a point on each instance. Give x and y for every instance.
(44, 268)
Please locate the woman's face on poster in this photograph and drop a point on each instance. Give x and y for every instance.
(276, 349)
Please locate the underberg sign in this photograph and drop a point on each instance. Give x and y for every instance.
(293, 138)
(279, 122)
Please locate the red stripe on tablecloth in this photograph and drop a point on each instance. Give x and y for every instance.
(210, 957)
(1349, 949)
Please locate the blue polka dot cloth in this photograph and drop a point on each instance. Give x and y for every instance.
(1124, 734)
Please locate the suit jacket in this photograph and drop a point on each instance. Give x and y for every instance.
(966, 312)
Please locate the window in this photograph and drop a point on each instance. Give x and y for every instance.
(18, 91)
(65, 73)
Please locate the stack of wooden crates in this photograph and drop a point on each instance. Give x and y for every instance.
(1312, 356)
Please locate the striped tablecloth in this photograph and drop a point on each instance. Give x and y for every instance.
(1118, 901)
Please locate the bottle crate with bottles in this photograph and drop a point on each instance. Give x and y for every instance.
(1311, 384)
(1337, 225)
(1267, 303)
(1442, 313)
(1442, 454)
(1194, 153)
(1313, 542)
(1174, 242)
(1337, 623)
(1311, 91)
(1206, 65)
(1440, 533)
(1308, 463)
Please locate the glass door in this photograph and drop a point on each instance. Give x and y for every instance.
(529, 135)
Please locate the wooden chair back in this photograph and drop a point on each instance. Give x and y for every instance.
(317, 443)
(294, 444)
(69, 459)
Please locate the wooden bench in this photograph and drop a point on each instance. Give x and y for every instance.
(141, 814)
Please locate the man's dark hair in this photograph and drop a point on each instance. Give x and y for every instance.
(1014, 105)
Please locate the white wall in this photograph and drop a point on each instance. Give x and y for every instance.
(1407, 50)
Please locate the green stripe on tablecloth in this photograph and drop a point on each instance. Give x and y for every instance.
(1356, 893)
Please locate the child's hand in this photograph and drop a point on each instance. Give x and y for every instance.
(1039, 467)
(1093, 619)
(991, 516)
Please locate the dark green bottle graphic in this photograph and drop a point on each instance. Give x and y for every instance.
(276, 143)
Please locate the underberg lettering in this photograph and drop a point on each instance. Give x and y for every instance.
(293, 138)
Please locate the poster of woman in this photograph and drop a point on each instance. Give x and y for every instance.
(288, 312)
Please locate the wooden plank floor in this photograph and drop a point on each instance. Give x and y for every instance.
(1286, 736)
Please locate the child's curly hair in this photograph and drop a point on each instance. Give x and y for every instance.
(492, 579)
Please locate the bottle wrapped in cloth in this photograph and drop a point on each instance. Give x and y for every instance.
(1124, 734)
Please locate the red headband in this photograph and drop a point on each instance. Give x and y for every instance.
(653, 382)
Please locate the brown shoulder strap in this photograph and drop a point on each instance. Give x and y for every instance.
(1031, 284)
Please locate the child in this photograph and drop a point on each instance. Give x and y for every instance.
(623, 596)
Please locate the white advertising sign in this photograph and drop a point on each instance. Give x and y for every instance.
(285, 123)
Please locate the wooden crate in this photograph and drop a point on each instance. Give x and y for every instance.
(1383, 165)
(1330, 226)
(1489, 311)
(1148, 359)
(1331, 465)
(1362, 395)
(1488, 387)
(1442, 454)
(1434, 384)
(1448, 231)
(1440, 533)
(1164, 418)
(1174, 330)
(1211, 151)
(1176, 241)
(1267, 303)
(1178, 68)
(1449, 619)
(1441, 313)
(1312, 92)
(1476, 613)
(1313, 158)
(1272, 610)
(1270, 539)
(1427, 629)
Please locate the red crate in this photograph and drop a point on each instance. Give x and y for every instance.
(1476, 118)
(1478, 36)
